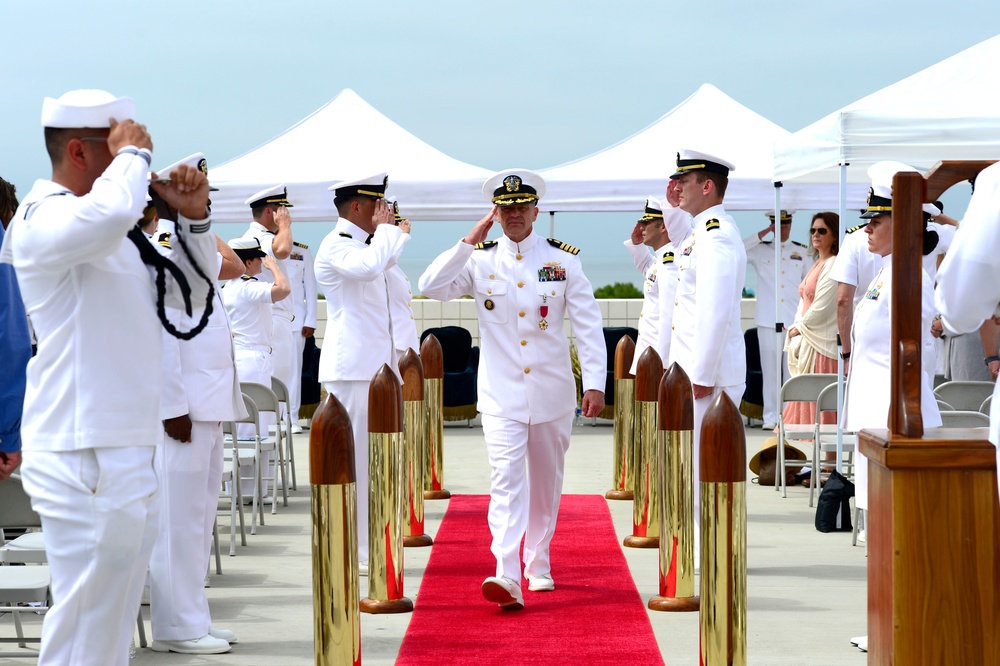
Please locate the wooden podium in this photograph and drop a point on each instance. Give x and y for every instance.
(934, 527)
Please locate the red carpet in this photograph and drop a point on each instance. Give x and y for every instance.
(594, 616)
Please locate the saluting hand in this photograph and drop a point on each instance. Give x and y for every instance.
(128, 133)
(405, 225)
(187, 192)
(637, 234)
(482, 228)
(673, 196)
(383, 213)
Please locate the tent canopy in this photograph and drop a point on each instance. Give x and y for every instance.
(620, 177)
(346, 138)
(949, 111)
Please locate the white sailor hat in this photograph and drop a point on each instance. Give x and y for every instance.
(395, 208)
(653, 211)
(880, 193)
(272, 195)
(692, 160)
(786, 215)
(370, 186)
(247, 248)
(514, 186)
(196, 161)
(86, 108)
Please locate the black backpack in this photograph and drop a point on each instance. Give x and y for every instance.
(835, 498)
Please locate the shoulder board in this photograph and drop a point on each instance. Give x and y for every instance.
(248, 277)
(860, 226)
(346, 235)
(566, 247)
(302, 245)
(164, 239)
(485, 245)
(712, 224)
(668, 258)
(799, 244)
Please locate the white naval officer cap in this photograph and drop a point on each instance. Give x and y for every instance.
(196, 161)
(86, 108)
(693, 160)
(277, 194)
(247, 248)
(514, 186)
(880, 193)
(786, 215)
(653, 210)
(931, 209)
(372, 186)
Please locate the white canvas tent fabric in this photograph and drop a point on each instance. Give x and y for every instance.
(620, 177)
(347, 137)
(949, 111)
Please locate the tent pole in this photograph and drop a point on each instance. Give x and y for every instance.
(552, 224)
(779, 326)
(840, 348)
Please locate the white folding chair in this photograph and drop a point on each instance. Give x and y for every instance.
(825, 440)
(267, 401)
(801, 388)
(281, 391)
(964, 419)
(243, 456)
(964, 396)
(985, 407)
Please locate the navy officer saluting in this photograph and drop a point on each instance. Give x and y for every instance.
(524, 286)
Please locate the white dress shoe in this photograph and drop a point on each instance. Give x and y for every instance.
(296, 429)
(207, 644)
(543, 583)
(503, 591)
(857, 639)
(224, 634)
(863, 644)
(769, 426)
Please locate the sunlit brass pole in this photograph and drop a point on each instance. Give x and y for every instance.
(336, 621)
(387, 507)
(723, 536)
(645, 523)
(676, 483)
(414, 450)
(432, 358)
(622, 477)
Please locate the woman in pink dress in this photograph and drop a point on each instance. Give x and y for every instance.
(812, 339)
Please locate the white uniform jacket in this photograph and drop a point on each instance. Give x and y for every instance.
(866, 404)
(284, 307)
(795, 264)
(352, 276)
(248, 306)
(651, 266)
(855, 264)
(404, 327)
(523, 292)
(302, 280)
(707, 337)
(96, 379)
(969, 282)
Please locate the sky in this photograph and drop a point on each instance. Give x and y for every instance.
(493, 84)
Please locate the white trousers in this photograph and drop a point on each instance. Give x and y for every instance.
(771, 344)
(527, 462)
(354, 397)
(190, 477)
(254, 366)
(283, 352)
(295, 388)
(701, 406)
(99, 515)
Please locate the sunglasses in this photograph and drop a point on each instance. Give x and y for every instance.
(818, 230)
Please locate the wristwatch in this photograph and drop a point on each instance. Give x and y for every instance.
(845, 355)
(990, 359)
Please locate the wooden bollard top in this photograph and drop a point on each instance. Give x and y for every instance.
(413, 376)
(723, 456)
(648, 373)
(676, 410)
(331, 445)
(624, 355)
(385, 402)
(432, 358)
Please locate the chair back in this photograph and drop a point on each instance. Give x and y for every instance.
(612, 335)
(456, 346)
(805, 388)
(280, 390)
(262, 396)
(827, 400)
(965, 395)
(15, 505)
(964, 419)
(985, 407)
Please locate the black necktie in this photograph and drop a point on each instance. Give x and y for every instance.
(368, 241)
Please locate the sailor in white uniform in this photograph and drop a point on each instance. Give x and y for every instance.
(707, 337)
(91, 417)
(649, 233)
(794, 266)
(350, 269)
(302, 279)
(524, 287)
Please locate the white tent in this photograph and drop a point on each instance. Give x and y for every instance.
(949, 111)
(620, 177)
(348, 137)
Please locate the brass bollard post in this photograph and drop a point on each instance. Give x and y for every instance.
(336, 619)
(645, 507)
(414, 450)
(675, 480)
(386, 478)
(723, 620)
(622, 479)
(432, 357)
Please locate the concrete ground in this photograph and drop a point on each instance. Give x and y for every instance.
(806, 590)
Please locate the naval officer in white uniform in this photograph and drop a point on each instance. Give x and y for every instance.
(707, 337)
(92, 407)
(524, 287)
(351, 268)
(302, 280)
(200, 390)
(794, 266)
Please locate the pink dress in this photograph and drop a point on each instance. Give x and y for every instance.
(805, 412)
